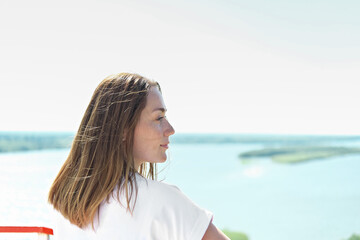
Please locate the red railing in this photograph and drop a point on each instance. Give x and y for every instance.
(43, 232)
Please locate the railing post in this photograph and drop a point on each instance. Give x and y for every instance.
(43, 236)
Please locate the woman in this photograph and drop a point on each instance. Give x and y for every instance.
(107, 189)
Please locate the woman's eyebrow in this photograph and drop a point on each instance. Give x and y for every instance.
(160, 109)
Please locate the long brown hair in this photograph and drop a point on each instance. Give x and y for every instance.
(101, 155)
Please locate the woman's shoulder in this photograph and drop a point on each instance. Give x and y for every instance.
(155, 186)
(173, 214)
(164, 194)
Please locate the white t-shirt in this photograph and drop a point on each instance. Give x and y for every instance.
(162, 212)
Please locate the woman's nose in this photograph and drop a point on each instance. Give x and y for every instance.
(170, 130)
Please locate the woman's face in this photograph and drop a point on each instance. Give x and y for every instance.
(152, 132)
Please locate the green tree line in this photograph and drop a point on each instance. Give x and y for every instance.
(25, 141)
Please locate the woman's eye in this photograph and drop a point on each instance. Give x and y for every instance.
(161, 117)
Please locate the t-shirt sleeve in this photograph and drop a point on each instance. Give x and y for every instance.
(179, 218)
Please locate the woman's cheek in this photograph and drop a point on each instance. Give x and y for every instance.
(154, 130)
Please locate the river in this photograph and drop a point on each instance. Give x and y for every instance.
(312, 200)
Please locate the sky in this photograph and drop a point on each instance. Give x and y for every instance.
(225, 66)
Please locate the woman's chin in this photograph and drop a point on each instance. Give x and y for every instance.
(163, 159)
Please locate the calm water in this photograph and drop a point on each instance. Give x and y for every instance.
(315, 200)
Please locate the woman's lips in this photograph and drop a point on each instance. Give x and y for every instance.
(165, 146)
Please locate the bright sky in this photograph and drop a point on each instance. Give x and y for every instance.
(224, 65)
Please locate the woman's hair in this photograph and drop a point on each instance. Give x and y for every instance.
(101, 155)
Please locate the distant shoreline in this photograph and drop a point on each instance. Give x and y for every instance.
(26, 141)
(297, 154)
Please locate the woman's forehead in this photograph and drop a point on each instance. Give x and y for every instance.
(155, 101)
